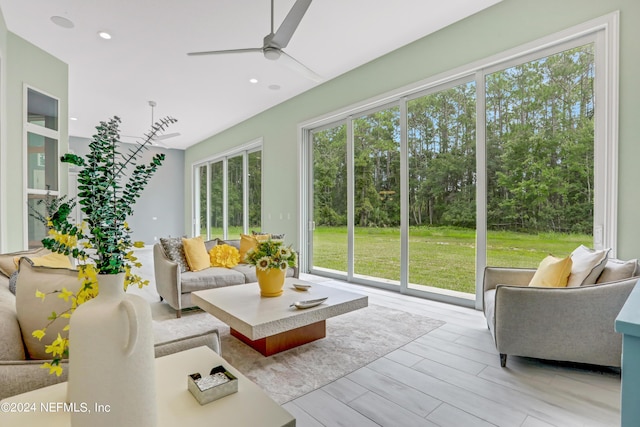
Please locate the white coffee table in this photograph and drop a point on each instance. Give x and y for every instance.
(270, 325)
(176, 405)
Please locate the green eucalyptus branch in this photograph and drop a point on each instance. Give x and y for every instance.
(103, 199)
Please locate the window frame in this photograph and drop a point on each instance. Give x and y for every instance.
(244, 151)
(603, 32)
(45, 132)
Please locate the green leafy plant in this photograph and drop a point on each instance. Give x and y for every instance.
(271, 254)
(105, 198)
(102, 243)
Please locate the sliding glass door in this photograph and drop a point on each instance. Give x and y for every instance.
(419, 195)
(329, 248)
(376, 213)
(442, 189)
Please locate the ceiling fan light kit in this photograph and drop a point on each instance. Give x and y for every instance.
(273, 43)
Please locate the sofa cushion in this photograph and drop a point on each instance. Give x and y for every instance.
(213, 277)
(8, 261)
(552, 272)
(210, 244)
(587, 266)
(33, 312)
(616, 269)
(11, 347)
(173, 249)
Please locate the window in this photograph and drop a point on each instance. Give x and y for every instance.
(417, 196)
(228, 199)
(41, 148)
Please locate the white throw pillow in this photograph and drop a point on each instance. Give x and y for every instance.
(587, 266)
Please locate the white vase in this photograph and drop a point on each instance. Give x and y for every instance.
(111, 359)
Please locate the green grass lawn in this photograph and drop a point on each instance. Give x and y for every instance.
(442, 257)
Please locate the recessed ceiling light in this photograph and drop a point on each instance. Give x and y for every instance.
(62, 22)
(274, 87)
(254, 81)
(104, 35)
(73, 118)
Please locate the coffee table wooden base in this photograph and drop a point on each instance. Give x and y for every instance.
(285, 340)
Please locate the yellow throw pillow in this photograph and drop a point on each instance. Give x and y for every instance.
(552, 272)
(196, 253)
(54, 260)
(224, 256)
(9, 262)
(250, 242)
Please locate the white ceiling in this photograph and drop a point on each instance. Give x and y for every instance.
(146, 58)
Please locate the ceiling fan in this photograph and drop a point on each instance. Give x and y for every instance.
(273, 43)
(156, 140)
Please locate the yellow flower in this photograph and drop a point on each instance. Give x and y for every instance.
(40, 295)
(65, 294)
(138, 244)
(57, 369)
(39, 333)
(57, 347)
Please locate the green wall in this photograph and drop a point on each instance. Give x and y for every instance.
(503, 26)
(23, 63)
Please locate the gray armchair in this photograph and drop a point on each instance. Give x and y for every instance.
(566, 324)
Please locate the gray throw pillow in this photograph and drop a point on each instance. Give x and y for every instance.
(12, 282)
(173, 248)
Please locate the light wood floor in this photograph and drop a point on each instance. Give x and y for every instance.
(452, 377)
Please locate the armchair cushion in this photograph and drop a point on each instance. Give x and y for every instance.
(616, 269)
(552, 273)
(587, 266)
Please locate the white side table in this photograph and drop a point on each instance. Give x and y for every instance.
(249, 407)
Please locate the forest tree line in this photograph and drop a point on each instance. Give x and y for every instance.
(539, 146)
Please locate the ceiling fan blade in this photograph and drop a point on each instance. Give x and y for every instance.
(288, 27)
(219, 52)
(166, 136)
(299, 67)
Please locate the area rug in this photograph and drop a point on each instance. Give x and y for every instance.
(353, 340)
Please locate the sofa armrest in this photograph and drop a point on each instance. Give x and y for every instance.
(167, 277)
(210, 339)
(494, 276)
(575, 324)
(21, 376)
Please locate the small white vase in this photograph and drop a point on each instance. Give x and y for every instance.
(111, 359)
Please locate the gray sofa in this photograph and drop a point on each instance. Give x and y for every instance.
(175, 287)
(18, 374)
(565, 324)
